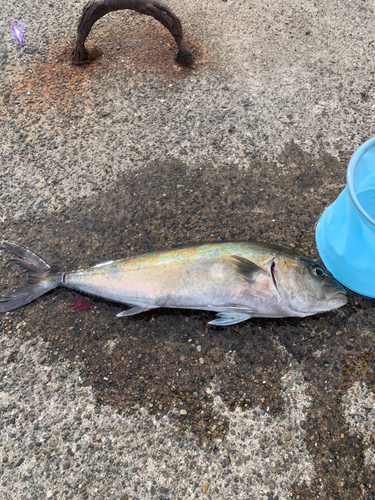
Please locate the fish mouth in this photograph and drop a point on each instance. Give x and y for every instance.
(332, 293)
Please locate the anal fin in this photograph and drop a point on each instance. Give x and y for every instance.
(230, 317)
(134, 310)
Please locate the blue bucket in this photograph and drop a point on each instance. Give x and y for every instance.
(345, 234)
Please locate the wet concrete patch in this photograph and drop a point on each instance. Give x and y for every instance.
(335, 355)
(165, 360)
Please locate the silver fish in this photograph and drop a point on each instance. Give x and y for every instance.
(237, 280)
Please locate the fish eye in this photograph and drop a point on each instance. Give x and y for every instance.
(318, 271)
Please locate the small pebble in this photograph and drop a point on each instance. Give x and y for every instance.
(183, 412)
(288, 436)
(205, 488)
(201, 361)
(29, 49)
(66, 465)
(90, 177)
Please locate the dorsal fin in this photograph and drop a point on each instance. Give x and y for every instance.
(248, 269)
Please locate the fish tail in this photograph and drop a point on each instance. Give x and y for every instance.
(41, 279)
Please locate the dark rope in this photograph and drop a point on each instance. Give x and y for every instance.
(96, 9)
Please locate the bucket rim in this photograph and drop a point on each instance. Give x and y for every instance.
(357, 155)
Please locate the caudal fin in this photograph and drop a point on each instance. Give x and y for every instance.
(40, 279)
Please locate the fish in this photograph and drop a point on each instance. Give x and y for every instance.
(236, 280)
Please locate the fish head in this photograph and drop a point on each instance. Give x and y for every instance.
(307, 287)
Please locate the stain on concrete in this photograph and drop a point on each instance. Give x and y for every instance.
(122, 49)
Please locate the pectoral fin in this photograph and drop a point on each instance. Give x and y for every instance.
(248, 269)
(230, 317)
(134, 310)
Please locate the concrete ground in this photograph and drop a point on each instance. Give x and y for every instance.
(133, 153)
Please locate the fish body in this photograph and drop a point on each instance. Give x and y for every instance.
(237, 280)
